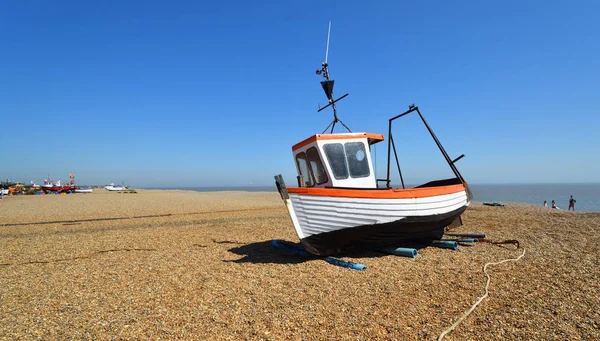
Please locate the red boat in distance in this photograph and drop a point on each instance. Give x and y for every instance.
(49, 186)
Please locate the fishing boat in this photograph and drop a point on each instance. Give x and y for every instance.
(50, 186)
(338, 204)
(112, 187)
(71, 186)
(33, 187)
(84, 190)
(56, 186)
(5, 185)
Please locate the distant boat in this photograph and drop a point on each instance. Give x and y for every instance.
(5, 185)
(48, 185)
(33, 186)
(56, 186)
(112, 187)
(84, 190)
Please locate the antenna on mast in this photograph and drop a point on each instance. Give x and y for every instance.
(327, 85)
(327, 49)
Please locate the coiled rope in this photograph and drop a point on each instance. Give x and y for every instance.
(482, 297)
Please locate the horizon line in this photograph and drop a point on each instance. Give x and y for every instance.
(476, 183)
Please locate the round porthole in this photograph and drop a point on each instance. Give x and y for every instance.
(360, 155)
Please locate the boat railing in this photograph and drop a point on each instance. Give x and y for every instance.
(392, 146)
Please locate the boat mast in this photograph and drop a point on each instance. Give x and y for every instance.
(327, 85)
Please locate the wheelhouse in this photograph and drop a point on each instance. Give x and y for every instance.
(336, 160)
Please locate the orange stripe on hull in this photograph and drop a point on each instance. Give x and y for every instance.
(392, 193)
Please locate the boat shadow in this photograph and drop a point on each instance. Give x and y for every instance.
(265, 253)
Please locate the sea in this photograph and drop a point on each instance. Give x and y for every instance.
(586, 194)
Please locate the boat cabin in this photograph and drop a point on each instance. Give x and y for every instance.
(336, 160)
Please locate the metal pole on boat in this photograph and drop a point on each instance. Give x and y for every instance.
(390, 141)
(328, 88)
(389, 155)
(450, 163)
(397, 162)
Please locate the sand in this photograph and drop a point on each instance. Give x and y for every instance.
(205, 270)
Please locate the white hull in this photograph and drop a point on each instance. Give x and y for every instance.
(314, 215)
(4, 191)
(84, 190)
(113, 188)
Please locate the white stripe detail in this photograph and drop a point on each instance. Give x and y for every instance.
(319, 214)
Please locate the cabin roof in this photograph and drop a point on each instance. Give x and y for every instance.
(372, 138)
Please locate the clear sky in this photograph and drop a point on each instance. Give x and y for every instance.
(195, 93)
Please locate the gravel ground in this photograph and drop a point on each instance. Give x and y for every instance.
(190, 265)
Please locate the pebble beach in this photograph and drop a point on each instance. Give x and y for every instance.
(168, 265)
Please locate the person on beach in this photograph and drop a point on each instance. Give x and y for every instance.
(572, 203)
(554, 205)
(545, 203)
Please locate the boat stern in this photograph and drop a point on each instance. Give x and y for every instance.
(283, 192)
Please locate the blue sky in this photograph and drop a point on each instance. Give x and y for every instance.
(215, 94)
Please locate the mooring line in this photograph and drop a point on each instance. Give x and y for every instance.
(482, 297)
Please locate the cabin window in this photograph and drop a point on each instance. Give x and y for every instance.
(337, 160)
(304, 170)
(357, 159)
(316, 165)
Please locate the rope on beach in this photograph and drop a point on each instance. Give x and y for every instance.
(509, 241)
(482, 297)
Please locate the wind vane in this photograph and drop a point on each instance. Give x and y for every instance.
(327, 85)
